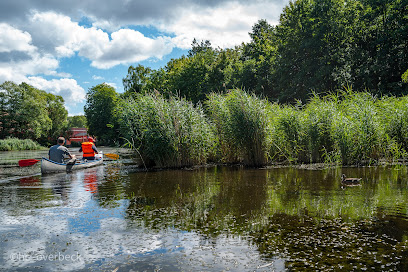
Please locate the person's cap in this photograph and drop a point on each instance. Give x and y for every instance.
(90, 139)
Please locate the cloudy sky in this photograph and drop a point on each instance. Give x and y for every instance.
(67, 46)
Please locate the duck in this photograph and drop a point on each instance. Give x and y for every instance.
(350, 181)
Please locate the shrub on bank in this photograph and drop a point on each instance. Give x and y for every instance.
(167, 132)
(14, 144)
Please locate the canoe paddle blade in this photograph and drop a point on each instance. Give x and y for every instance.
(28, 162)
(112, 156)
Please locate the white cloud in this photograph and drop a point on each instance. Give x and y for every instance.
(224, 26)
(65, 38)
(33, 65)
(68, 88)
(129, 46)
(57, 33)
(112, 84)
(95, 77)
(13, 39)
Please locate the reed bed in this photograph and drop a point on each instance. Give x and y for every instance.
(15, 144)
(167, 132)
(242, 125)
(346, 128)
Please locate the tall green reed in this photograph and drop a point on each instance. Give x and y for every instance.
(316, 124)
(357, 131)
(167, 132)
(286, 133)
(393, 113)
(14, 144)
(346, 128)
(242, 126)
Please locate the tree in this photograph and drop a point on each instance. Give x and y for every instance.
(77, 121)
(136, 79)
(100, 112)
(24, 111)
(197, 48)
(259, 57)
(382, 47)
(58, 115)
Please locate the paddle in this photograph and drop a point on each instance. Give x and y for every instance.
(28, 162)
(111, 156)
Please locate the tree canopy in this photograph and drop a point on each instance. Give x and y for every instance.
(100, 112)
(78, 121)
(318, 46)
(29, 113)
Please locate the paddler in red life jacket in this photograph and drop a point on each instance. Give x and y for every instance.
(89, 149)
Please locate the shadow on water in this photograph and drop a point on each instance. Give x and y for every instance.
(211, 219)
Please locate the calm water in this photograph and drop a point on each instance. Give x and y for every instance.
(214, 219)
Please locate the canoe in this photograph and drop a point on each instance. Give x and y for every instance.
(49, 166)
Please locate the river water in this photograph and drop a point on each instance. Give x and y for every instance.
(207, 219)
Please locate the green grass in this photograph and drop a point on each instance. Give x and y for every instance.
(13, 144)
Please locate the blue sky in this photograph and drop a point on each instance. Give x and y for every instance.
(65, 47)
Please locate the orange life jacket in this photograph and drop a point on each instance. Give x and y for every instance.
(87, 150)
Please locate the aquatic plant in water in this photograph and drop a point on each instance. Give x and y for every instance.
(167, 132)
(242, 126)
(12, 144)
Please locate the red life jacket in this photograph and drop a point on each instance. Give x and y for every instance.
(87, 150)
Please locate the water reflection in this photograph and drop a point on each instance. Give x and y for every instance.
(212, 219)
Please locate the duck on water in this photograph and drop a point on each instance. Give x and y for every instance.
(350, 181)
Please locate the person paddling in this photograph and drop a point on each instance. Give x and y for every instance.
(57, 152)
(89, 149)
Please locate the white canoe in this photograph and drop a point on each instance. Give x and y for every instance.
(49, 166)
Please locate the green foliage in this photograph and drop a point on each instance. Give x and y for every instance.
(78, 121)
(30, 113)
(242, 126)
(317, 123)
(101, 113)
(58, 115)
(136, 79)
(286, 133)
(349, 128)
(167, 132)
(356, 129)
(405, 77)
(13, 144)
(317, 46)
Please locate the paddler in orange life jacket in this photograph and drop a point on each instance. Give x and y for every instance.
(89, 149)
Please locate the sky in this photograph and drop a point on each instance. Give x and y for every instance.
(66, 47)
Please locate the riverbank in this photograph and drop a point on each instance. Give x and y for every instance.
(15, 144)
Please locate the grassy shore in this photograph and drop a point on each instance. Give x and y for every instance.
(14, 144)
